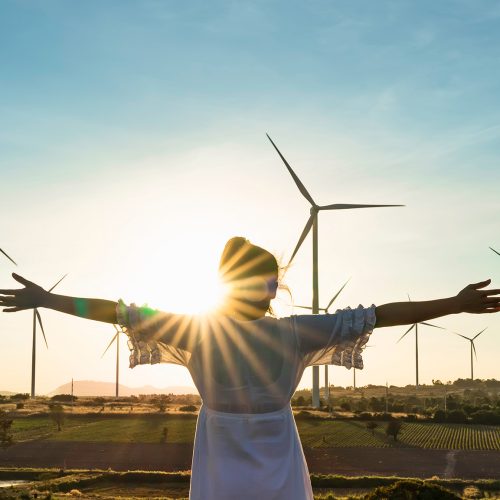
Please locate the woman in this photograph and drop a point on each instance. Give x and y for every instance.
(246, 365)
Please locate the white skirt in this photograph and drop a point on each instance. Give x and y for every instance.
(248, 456)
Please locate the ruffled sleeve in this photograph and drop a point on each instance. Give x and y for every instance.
(336, 339)
(154, 336)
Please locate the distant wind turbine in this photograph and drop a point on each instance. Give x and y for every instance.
(415, 325)
(312, 222)
(472, 349)
(12, 260)
(498, 253)
(325, 310)
(37, 317)
(117, 339)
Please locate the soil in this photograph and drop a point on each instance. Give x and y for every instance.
(404, 462)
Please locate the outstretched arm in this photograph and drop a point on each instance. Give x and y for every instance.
(32, 296)
(471, 299)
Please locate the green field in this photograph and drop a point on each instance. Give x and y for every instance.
(314, 433)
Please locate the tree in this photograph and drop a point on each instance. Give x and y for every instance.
(371, 426)
(393, 428)
(57, 415)
(161, 402)
(5, 426)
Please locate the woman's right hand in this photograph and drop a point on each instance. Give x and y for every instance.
(20, 299)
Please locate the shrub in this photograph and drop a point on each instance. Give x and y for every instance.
(371, 426)
(456, 417)
(411, 490)
(440, 416)
(64, 398)
(20, 397)
(486, 417)
(19, 406)
(188, 408)
(393, 428)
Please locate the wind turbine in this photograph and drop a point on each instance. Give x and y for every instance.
(117, 338)
(498, 253)
(12, 260)
(325, 310)
(312, 222)
(472, 348)
(415, 325)
(37, 317)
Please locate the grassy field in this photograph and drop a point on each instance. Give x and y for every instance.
(314, 433)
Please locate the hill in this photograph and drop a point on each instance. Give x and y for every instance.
(96, 388)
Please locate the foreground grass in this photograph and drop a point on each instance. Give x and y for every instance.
(314, 433)
(141, 484)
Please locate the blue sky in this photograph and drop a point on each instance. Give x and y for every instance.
(130, 130)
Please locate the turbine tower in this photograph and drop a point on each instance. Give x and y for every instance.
(472, 349)
(325, 310)
(117, 339)
(312, 222)
(37, 317)
(13, 262)
(415, 325)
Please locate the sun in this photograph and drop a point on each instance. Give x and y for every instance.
(196, 291)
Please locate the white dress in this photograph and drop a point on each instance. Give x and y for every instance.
(246, 445)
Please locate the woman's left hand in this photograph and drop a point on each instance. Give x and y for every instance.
(474, 300)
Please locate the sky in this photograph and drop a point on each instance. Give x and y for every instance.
(132, 139)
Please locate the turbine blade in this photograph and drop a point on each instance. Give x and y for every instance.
(12, 260)
(305, 231)
(336, 295)
(430, 324)
(498, 253)
(474, 338)
(109, 345)
(344, 206)
(303, 307)
(298, 182)
(407, 332)
(474, 349)
(58, 282)
(39, 318)
(117, 329)
(463, 336)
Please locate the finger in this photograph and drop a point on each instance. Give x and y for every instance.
(481, 284)
(13, 309)
(9, 292)
(22, 280)
(492, 310)
(7, 301)
(496, 291)
(492, 300)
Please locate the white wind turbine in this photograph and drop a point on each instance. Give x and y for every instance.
(415, 325)
(472, 349)
(37, 317)
(117, 339)
(326, 311)
(312, 222)
(13, 262)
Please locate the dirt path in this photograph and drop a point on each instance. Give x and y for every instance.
(412, 462)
